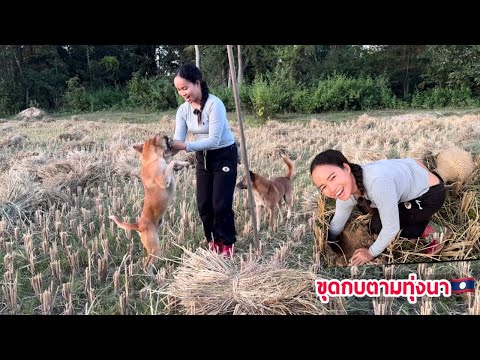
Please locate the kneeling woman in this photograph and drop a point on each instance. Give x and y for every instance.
(401, 194)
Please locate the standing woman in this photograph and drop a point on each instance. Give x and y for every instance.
(403, 195)
(204, 115)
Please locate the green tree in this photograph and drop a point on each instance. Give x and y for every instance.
(111, 65)
(11, 91)
(453, 66)
(402, 65)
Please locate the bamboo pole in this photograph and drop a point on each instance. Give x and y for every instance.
(197, 56)
(243, 145)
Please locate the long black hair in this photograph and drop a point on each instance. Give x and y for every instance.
(193, 74)
(336, 158)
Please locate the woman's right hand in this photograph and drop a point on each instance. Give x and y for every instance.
(361, 256)
(177, 145)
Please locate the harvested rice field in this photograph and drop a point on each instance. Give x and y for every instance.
(61, 177)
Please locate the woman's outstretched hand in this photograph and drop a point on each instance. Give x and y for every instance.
(177, 145)
(361, 257)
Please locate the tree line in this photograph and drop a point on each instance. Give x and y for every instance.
(272, 78)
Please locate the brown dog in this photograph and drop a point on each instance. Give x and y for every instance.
(159, 187)
(269, 193)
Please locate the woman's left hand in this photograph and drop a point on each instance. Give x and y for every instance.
(361, 257)
(178, 145)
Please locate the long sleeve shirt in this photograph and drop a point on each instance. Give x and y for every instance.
(387, 183)
(212, 133)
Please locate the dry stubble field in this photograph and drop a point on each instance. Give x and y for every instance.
(61, 177)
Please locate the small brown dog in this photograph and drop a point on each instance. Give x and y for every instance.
(269, 193)
(159, 187)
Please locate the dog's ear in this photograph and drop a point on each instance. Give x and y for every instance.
(158, 140)
(168, 152)
(252, 176)
(138, 147)
(166, 142)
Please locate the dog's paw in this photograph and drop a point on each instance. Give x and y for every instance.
(184, 164)
(180, 165)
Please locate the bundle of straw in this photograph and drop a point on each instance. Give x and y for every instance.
(206, 283)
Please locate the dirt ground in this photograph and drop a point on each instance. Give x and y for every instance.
(354, 236)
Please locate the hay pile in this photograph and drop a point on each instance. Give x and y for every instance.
(78, 169)
(126, 163)
(21, 196)
(71, 136)
(13, 141)
(32, 113)
(206, 283)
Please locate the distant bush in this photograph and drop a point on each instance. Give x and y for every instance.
(268, 95)
(343, 93)
(155, 93)
(375, 93)
(438, 97)
(107, 98)
(245, 94)
(228, 98)
(226, 95)
(264, 99)
(76, 97)
(303, 101)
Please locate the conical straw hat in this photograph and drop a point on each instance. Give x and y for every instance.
(454, 164)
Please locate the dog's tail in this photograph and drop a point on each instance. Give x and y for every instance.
(290, 165)
(124, 225)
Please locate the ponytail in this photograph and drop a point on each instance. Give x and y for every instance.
(358, 175)
(204, 88)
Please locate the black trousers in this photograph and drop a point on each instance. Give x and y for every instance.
(414, 214)
(216, 173)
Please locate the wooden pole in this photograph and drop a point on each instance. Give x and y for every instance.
(243, 145)
(197, 56)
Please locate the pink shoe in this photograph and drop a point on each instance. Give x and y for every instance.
(433, 228)
(428, 231)
(433, 248)
(227, 251)
(216, 246)
(435, 236)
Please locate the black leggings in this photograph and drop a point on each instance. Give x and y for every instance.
(414, 214)
(216, 172)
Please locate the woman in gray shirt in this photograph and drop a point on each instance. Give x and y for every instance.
(401, 194)
(204, 115)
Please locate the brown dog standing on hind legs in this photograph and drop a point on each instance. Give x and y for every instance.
(159, 187)
(269, 193)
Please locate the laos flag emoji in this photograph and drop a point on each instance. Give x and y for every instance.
(463, 285)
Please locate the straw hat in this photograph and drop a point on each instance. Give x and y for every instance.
(454, 164)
